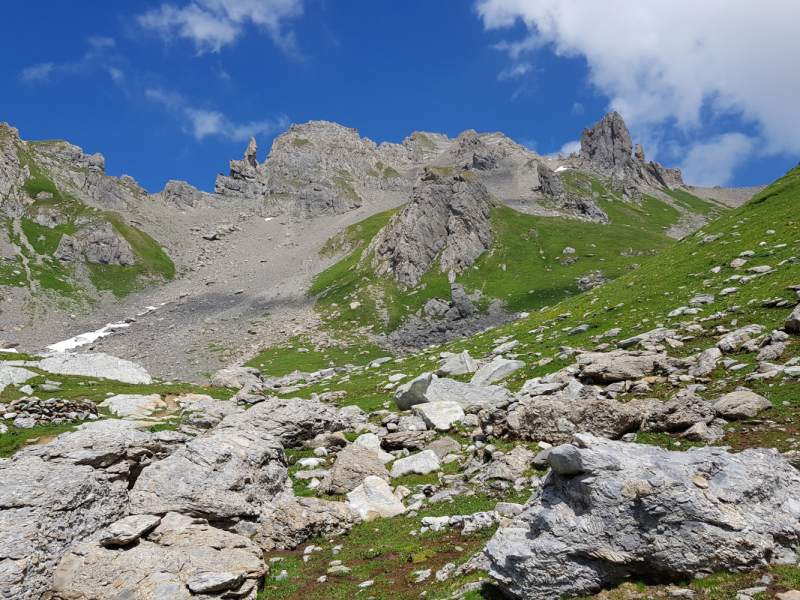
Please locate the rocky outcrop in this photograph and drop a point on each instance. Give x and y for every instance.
(45, 508)
(447, 220)
(549, 180)
(95, 365)
(100, 244)
(352, 466)
(182, 558)
(182, 195)
(611, 511)
(298, 520)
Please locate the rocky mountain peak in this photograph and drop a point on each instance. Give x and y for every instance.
(608, 144)
(447, 220)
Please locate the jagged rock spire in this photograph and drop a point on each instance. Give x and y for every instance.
(608, 144)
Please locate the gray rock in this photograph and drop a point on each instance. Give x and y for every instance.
(373, 442)
(461, 301)
(374, 499)
(127, 530)
(444, 446)
(14, 375)
(554, 420)
(792, 323)
(495, 370)
(182, 556)
(741, 404)
(446, 221)
(734, 340)
(24, 422)
(771, 352)
(412, 440)
(133, 405)
(607, 367)
(678, 414)
(246, 378)
(183, 195)
(550, 182)
(46, 508)
(97, 365)
(700, 432)
(441, 415)
(650, 503)
(706, 363)
(458, 364)
(100, 244)
(429, 388)
(511, 465)
(224, 474)
(608, 144)
(534, 387)
(411, 423)
(352, 466)
(419, 464)
(290, 420)
(298, 520)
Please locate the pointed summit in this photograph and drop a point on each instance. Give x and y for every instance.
(608, 144)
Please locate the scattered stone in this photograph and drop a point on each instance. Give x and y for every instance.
(419, 464)
(741, 404)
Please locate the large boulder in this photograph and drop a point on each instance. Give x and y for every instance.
(681, 412)
(458, 364)
(495, 370)
(510, 466)
(447, 221)
(411, 439)
(792, 324)
(99, 365)
(291, 420)
(374, 499)
(610, 512)
(14, 376)
(352, 466)
(182, 558)
(555, 419)
(734, 340)
(430, 388)
(46, 508)
(549, 180)
(706, 363)
(225, 474)
(441, 415)
(247, 378)
(607, 367)
(296, 521)
(741, 404)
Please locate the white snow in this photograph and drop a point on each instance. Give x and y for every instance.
(559, 169)
(80, 340)
(268, 218)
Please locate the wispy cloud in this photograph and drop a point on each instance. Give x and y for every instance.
(37, 73)
(212, 24)
(515, 71)
(714, 162)
(202, 122)
(570, 147)
(577, 109)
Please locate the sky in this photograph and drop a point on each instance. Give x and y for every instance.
(173, 90)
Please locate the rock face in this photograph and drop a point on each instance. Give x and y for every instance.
(100, 244)
(608, 144)
(183, 195)
(44, 509)
(447, 219)
(182, 557)
(610, 511)
(298, 520)
(550, 182)
(225, 474)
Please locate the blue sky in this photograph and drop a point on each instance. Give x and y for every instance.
(173, 90)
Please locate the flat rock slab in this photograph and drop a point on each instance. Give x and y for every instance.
(511, 466)
(133, 405)
(444, 446)
(607, 367)
(440, 415)
(112, 425)
(14, 376)
(417, 464)
(742, 404)
(374, 499)
(127, 530)
(413, 440)
(96, 365)
(458, 364)
(496, 370)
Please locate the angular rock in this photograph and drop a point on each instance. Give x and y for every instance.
(458, 364)
(97, 365)
(291, 420)
(444, 446)
(127, 530)
(373, 442)
(224, 474)
(678, 414)
(419, 464)
(412, 440)
(607, 367)
(352, 466)
(181, 557)
(706, 363)
(446, 221)
(771, 352)
(792, 323)
(298, 520)
(46, 508)
(440, 415)
(741, 404)
(550, 182)
(429, 388)
(734, 340)
(14, 375)
(651, 503)
(700, 432)
(374, 499)
(133, 405)
(413, 392)
(495, 371)
(554, 420)
(511, 465)
(461, 301)
(246, 378)
(608, 144)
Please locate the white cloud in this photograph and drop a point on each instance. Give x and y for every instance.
(37, 73)
(517, 70)
(713, 163)
(684, 62)
(570, 147)
(201, 123)
(212, 24)
(577, 109)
